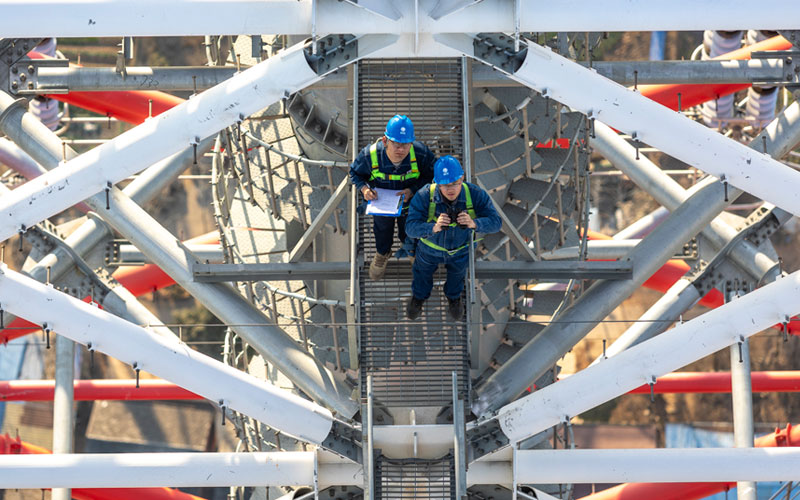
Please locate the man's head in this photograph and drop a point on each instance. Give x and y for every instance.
(398, 137)
(448, 175)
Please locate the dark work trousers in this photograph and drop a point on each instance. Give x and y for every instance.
(425, 265)
(384, 232)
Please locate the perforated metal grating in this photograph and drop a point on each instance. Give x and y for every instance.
(415, 478)
(411, 362)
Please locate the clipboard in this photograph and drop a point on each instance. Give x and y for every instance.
(388, 203)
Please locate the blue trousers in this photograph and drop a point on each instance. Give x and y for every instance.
(384, 232)
(425, 264)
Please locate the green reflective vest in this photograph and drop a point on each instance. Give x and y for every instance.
(377, 174)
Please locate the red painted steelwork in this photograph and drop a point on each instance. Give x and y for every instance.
(692, 95)
(16, 446)
(719, 382)
(690, 491)
(92, 390)
(129, 106)
(140, 280)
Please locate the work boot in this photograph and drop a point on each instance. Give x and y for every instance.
(414, 308)
(455, 309)
(378, 265)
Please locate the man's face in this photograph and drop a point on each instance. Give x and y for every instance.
(396, 151)
(452, 190)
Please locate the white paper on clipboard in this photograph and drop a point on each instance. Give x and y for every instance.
(389, 202)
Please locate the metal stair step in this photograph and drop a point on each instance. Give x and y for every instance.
(540, 302)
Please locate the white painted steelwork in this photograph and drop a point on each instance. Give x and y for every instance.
(664, 465)
(651, 123)
(144, 470)
(155, 139)
(167, 358)
(641, 364)
(247, 17)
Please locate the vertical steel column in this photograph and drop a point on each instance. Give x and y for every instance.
(459, 442)
(369, 453)
(63, 399)
(742, 401)
(540, 354)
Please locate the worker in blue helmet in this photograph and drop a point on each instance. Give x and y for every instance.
(443, 215)
(397, 162)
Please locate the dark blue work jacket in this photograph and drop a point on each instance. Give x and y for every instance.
(451, 238)
(361, 168)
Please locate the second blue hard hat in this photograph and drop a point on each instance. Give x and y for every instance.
(447, 170)
(400, 129)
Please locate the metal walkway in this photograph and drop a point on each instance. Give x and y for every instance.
(411, 362)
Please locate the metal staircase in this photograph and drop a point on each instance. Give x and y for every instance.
(411, 362)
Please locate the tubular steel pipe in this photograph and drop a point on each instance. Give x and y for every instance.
(16, 446)
(133, 106)
(667, 352)
(720, 382)
(244, 17)
(134, 223)
(541, 353)
(113, 470)
(94, 390)
(153, 140)
(691, 491)
(163, 356)
(692, 95)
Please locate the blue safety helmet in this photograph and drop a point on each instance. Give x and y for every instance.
(400, 129)
(447, 170)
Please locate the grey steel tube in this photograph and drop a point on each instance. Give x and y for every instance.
(681, 296)
(17, 124)
(692, 72)
(643, 226)
(544, 351)
(742, 400)
(135, 224)
(200, 78)
(595, 250)
(669, 193)
(135, 78)
(63, 410)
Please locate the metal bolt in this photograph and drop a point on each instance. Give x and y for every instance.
(14, 70)
(23, 77)
(31, 69)
(14, 85)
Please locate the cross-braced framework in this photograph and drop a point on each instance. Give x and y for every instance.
(328, 385)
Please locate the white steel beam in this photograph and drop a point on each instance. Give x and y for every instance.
(148, 470)
(651, 123)
(157, 138)
(166, 357)
(664, 465)
(75, 18)
(644, 362)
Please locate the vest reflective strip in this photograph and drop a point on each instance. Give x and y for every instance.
(432, 205)
(377, 174)
(432, 218)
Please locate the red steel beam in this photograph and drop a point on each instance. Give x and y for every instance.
(718, 382)
(790, 436)
(92, 390)
(15, 446)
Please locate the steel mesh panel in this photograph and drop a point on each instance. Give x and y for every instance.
(415, 478)
(426, 90)
(411, 362)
